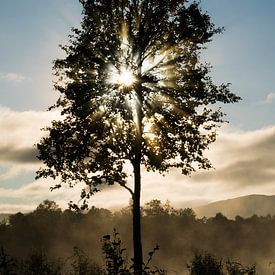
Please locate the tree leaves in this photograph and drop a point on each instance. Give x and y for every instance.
(160, 43)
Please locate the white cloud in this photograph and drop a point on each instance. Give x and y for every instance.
(11, 172)
(244, 164)
(27, 197)
(243, 161)
(13, 77)
(19, 132)
(269, 98)
(11, 208)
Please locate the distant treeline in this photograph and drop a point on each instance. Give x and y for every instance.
(178, 233)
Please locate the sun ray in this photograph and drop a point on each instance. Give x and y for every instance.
(158, 72)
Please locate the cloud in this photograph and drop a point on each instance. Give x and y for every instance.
(244, 164)
(13, 77)
(18, 155)
(242, 160)
(27, 197)
(12, 208)
(19, 132)
(269, 98)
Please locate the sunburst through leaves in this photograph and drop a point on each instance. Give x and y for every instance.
(137, 93)
(155, 71)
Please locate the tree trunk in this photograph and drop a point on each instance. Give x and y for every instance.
(138, 259)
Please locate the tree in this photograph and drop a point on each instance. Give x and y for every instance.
(133, 90)
(48, 206)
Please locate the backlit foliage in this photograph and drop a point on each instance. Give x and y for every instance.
(130, 56)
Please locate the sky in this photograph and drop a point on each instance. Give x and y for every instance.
(243, 155)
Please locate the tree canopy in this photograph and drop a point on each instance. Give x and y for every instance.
(131, 56)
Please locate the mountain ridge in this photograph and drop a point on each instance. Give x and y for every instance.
(244, 206)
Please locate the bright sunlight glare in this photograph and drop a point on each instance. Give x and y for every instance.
(123, 77)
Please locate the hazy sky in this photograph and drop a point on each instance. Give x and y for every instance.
(244, 154)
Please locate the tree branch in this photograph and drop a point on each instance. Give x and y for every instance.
(127, 188)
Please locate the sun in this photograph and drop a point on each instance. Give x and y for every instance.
(122, 77)
(126, 78)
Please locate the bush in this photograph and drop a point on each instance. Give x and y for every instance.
(116, 263)
(206, 264)
(82, 265)
(7, 264)
(38, 263)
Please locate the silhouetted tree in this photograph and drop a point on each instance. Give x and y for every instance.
(48, 206)
(133, 91)
(220, 219)
(156, 208)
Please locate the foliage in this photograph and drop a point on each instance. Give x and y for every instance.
(48, 206)
(206, 264)
(7, 263)
(236, 268)
(116, 263)
(147, 270)
(82, 265)
(248, 240)
(160, 43)
(156, 208)
(38, 263)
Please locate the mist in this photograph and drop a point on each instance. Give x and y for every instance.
(178, 232)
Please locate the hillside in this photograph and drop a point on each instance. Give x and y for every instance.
(245, 206)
